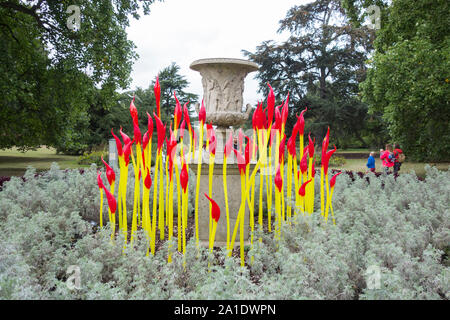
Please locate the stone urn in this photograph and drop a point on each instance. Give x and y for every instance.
(223, 87)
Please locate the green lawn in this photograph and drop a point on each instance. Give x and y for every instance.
(360, 165)
(14, 163)
(354, 150)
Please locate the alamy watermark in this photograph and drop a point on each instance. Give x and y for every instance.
(74, 20)
(373, 277)
(74, 280)
(374, 13)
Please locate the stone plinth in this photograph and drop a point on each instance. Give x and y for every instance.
(234, 202)
(223, 87)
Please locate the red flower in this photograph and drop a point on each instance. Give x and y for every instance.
(127, 152)
(272, 135)
(110, 174)
(270, 105)
(133, 112)
(112, 203)
(157, 91)
(333, 179)
(125, 137)
(145, 140)
(161, 131)
(184, 177)
(325, 142)
(294, 131)
(228, 146)
(327, 159)
(302, 189)
(291, 146)
(260, 117)
(311, 146)
(304, 163)
(301, 122)
(209, 130)
(183, 125)
(240, 161)
(277, 123)
(215, 210)
(202, 114)
(186, 115)
(281, 149)
(285, 111)
(313, 172)
(212, 144)
(248, 148)
(194, 138)
(177, 113)
(99, 181)
(240, 138)
(118, 144)
(137, 134)
(278, 179)
(150, 126)
(143, 159)
(148, 180)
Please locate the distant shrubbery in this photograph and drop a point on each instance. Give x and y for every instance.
(94, 157)
(335, 160)
(400, 226)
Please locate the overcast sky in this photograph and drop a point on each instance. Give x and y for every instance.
(183, 31)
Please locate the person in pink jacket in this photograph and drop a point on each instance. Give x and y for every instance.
(387, 157)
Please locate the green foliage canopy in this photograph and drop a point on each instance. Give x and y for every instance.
(50, 74)
(408, 81)
(321, 66)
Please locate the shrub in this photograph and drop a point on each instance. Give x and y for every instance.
(94, 157)
(334, 160)
(400, 225)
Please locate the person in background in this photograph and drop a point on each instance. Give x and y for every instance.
(371, 162)
(387, 157)
(398, 153)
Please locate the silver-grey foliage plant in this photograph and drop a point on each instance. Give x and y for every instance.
(397, 231)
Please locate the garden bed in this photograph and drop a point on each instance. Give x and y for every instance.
(402, 230)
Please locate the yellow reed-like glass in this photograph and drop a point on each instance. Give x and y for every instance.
(197, 187)
(155, 188)
(247, 188)
(101, 208)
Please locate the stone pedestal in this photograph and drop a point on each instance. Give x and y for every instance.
(234, 202)
(223, 86)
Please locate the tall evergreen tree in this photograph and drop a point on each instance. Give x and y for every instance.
(321, 65)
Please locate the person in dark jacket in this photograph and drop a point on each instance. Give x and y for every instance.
(397, 152)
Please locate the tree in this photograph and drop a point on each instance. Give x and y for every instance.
(408, 80)
(321, 66)
(49, 72)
